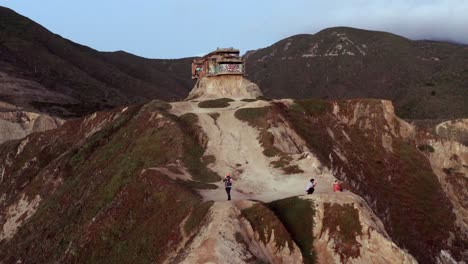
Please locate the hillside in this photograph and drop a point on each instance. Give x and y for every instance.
(142, 184)
(424, 79)
(42, 71)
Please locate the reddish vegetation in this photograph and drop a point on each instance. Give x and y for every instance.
(99, 204)
(460, 183)
(141, 224)
(400, 185)
(342, 223)
(266, 225)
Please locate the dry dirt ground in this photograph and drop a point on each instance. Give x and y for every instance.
(237, 149)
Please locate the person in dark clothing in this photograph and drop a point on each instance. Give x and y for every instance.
(228, 184)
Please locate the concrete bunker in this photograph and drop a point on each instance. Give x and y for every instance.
(222, 61)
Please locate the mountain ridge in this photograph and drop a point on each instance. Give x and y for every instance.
(87, 80)
(424, 79)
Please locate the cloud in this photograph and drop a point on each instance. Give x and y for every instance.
(429, 19)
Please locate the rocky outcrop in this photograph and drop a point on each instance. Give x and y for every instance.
(230, 238)
(231, 86)
(449, 161)
(454, 130)
(367, 146)
(17, 124)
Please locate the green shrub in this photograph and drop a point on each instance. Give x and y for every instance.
(426, 148)
(311, 106)
(197, 185)
(265, 223)
(252, 115)
(216, 103)
(156, 105)
(297, 215)
(197, 216)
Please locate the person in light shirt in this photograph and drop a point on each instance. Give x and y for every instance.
(310, 188)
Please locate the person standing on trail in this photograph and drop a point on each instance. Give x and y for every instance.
(228, 184)
(310, 188)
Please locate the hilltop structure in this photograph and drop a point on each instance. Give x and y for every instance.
(225, 61)
(221, 74)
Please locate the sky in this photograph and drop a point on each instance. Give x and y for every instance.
(183, 28)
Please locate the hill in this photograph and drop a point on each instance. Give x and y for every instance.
(424, 79)
(142, 184)
(43, 71)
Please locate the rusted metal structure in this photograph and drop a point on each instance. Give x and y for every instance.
(219, 62)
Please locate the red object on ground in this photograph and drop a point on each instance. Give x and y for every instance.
(336, 187)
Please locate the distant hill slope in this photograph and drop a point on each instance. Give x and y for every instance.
(47, 72)
(424, 79)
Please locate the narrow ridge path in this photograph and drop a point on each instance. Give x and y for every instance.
(237, 150)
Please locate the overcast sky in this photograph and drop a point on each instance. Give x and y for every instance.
(182, 28)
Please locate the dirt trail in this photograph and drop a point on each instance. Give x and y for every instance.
(237, 150)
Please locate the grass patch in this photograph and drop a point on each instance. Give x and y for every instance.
(194, 150)
(189, 119)
(265, 223)
(342, 223)
(297, 215)
(129, 232)
(252, 115)
(292, 169)
(197, 216)
(216, 103)
(157, 105)
(258, 118)
(284, 164)
(107, 184)
(197, 185)
(311, 107)
(208, 159)
(264, 98)
(101, 137)
(426, 148)
(249, 100)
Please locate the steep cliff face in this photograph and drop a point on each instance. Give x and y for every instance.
(243, 232)
(347, 231)
(367, 146)
(449, 161)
